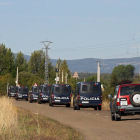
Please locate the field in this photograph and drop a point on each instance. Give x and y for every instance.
(20, 124)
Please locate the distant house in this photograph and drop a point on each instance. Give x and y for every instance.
(76, 75)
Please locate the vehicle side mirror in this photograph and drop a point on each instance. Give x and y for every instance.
(110, 96)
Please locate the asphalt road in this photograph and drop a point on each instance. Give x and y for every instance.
(94, 125)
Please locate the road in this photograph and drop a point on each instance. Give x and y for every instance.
(94, 125)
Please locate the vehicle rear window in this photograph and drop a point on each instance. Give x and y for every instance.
(128, 90)
(66, 89)
(91, 88)
(56, 88)
(23, 89)
(14, 89)
(95, 88)
(46, 89)
(35, 90)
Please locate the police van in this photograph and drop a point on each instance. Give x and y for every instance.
(33, 95)
(22, 93)
(60, 95)
(12, 91)
(87, 94)
(44, 93)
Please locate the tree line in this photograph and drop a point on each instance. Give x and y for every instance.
(30, 72)
(33, 71)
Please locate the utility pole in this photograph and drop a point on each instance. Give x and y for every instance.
(62, 76)
(66, 78)
(17, 78)
(98, 71)
(46, 61)
(56, 73)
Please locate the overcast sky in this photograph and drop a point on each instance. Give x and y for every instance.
(78, 28)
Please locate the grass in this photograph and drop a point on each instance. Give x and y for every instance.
(20, 124)
(105, 104)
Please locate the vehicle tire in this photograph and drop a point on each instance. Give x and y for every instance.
(95, 108)
(39, 102)
(100, 107)
(27, 99)
(78, 107)
(135, 99)
(50, 103)
(16, 98)
(116, 118)
(30, 101)
(74, 107)
(68, 105)
(112, 115)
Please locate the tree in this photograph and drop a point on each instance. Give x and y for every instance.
(36, 64)
(124, 72)
(65, 69)
(6, 61)
(21, 62)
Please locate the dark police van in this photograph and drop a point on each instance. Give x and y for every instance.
(33, 95)
(60, 95)
(12, 91)
(44, 93)
(87, 94)
(22, 93)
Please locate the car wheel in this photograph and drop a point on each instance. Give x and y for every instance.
(95, 108)
(78, 107)
(68, 105)
(116, 117)
(27, 99)
(74, 107)
(39, 102)
(16, 98)
(135, 99)
(30, 101)
(99, 107)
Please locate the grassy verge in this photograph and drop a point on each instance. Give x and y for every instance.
(21, 124)
(105, 104)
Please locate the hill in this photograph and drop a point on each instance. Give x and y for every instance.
(89, 65)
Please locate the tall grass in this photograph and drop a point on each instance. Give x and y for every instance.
(19, 124)
(8, 117)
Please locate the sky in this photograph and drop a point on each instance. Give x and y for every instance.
(78, 29)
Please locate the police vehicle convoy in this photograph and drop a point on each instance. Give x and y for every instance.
(87, 94)
(44, 93)
(12, 90)
(60, 95)
(33, 95)
(22, 93)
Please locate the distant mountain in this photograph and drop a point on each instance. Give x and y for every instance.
(89, 65)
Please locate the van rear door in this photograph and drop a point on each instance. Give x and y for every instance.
(90, 93)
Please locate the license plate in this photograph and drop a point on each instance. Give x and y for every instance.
(20, 96)
(85, 102)
(57, 100)
(45, 98)
(123, 102)
(35, 98)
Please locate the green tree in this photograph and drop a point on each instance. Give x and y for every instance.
(65, 69)
(21, 62)
(36, 64)
(6, 61)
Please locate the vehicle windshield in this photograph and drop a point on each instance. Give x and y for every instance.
(14, 89)
(46, 89)
(128, 90)
(91, 88)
